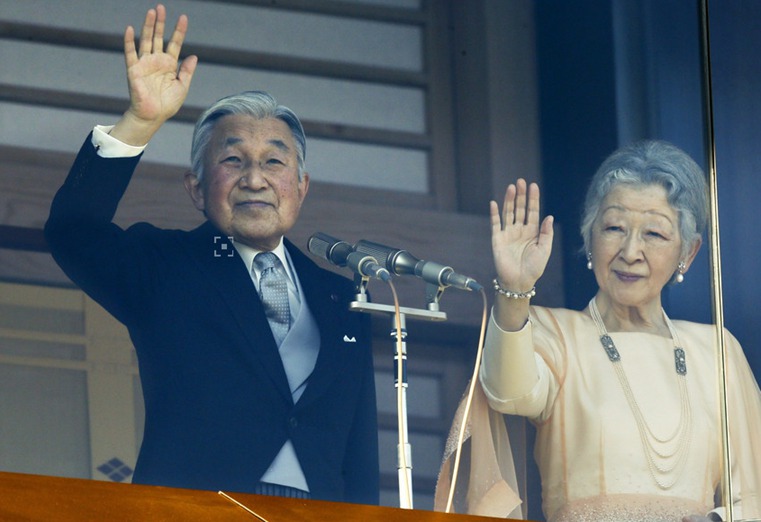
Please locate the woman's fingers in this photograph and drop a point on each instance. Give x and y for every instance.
(532, 213)
(508, 206)
(520, 201)
(520, 207)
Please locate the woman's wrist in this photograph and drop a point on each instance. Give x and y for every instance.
(512, 294)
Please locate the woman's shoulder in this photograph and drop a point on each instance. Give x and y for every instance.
(702, 334)
(701, 329)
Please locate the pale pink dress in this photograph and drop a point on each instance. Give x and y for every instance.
(588, 448)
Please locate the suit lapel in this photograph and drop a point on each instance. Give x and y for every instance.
(218, 260)
(326, 305)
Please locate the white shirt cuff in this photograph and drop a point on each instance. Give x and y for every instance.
(109, 147)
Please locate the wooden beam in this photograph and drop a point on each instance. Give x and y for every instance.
(188, 114)
(22, 238)
(218, 55)
(340, 8)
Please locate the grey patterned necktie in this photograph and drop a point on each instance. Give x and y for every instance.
(273, 290)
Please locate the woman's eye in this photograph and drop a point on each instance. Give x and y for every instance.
(655, 234)
(231, 159)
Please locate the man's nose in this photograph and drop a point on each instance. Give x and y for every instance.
(252, 177)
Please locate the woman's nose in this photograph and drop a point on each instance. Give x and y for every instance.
(631, 250)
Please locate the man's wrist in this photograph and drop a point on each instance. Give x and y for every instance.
(110, 147)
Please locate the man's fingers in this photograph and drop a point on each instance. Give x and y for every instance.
(146, 36)
(178, 37)
(187, 68)
(158, 30)
(130, 53)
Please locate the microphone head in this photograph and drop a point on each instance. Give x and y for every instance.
(318, 244)
(329, 248)
(399, 262)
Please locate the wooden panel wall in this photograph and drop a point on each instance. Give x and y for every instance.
(397, 126)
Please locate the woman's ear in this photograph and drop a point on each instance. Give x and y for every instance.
(691, 254)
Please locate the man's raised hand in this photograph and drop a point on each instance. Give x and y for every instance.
(157, 87)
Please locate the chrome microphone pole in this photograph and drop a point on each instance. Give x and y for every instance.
(399, 333)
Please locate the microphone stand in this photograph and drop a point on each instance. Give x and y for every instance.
(399, 324)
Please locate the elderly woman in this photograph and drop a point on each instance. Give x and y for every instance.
(623, 398)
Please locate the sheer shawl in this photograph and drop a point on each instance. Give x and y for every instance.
(486, 479)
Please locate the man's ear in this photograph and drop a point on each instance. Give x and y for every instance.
(303, 187)
(195, 190)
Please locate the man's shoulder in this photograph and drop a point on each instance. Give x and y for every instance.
(204, 239)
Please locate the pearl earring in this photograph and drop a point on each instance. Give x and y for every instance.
(680, 272)
(589, 260)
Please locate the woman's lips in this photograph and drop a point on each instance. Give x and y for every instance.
(627, 277)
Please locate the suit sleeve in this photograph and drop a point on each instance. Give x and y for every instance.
(101, 258)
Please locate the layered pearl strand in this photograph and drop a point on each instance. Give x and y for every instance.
(666, 456)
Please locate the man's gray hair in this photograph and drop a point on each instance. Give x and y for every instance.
(258, 104)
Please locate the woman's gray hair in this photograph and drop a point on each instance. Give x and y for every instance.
(258, 104)
(652, 162)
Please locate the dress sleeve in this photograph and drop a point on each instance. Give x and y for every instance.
(744, 419)
(515, 379)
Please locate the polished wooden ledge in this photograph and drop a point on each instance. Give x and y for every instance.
(35, 497)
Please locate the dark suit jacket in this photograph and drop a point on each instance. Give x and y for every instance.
(218, 407)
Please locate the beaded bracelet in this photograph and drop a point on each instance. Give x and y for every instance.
(513, 295)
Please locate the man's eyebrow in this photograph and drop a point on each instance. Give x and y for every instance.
(280, 144)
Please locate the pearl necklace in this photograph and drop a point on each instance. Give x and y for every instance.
(665, 455)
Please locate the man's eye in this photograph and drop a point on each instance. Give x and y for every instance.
(231, 159)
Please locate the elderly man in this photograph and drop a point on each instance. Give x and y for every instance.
(255, 375)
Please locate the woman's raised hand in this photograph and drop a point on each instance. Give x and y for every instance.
(521, 246)
(157, 86)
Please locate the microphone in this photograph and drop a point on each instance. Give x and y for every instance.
(401, 262)
(330, 248)
(367, 266)
(341, 253)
